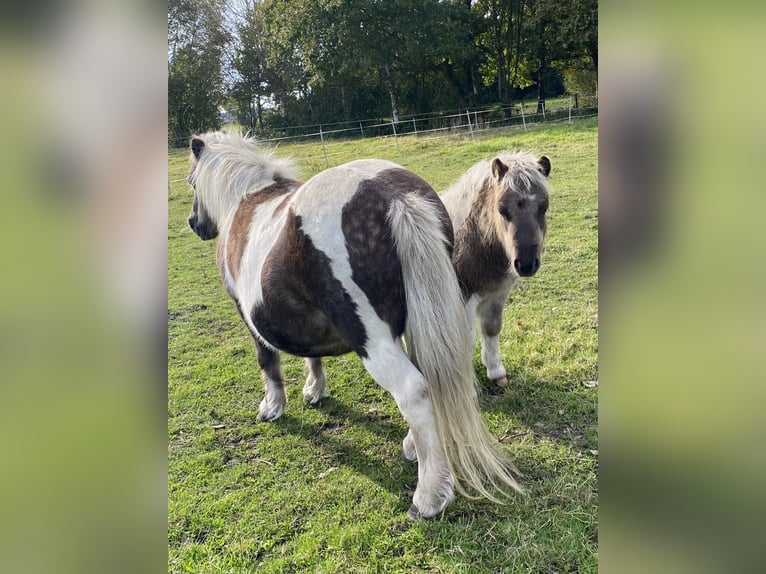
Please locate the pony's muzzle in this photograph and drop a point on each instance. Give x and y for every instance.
(194, 224)
(526, 267)
(202, 231)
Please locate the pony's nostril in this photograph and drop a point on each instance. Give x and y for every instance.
(526, 268)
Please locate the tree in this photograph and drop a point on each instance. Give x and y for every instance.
(197, 40)
(452, 51)
(579, 65)
(380, 47)
(322, 61)
(562, 35)
(501, 40)
(250, 64)
(543, 41)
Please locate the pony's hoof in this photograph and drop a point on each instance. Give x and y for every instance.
(431, 506)
(500, 382)
(269, 412)
(266, 417)
(314, 399)
(413, 513)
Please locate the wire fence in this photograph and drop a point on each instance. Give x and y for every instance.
(473, 123)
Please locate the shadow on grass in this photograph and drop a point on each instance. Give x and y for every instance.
(330, 437)
(340, 429)
(559, 413)
(544, 410)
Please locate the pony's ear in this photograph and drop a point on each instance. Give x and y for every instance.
(498, 168)
(196, 146)
(545, 165)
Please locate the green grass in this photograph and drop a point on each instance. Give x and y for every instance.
(323, 489)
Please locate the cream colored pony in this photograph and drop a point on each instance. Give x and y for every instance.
(498, 212)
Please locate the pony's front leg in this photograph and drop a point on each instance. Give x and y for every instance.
(273, 404)
(315, 388)
(393, 371)
(490, 313)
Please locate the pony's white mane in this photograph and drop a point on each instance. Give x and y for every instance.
(523, 177)
(232, 165)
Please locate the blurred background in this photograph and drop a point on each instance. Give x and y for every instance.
(83, 247)
(83, 157)
(682, 285)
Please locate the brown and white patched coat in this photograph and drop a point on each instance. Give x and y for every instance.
(355, 259)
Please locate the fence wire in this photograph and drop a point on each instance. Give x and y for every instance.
(444, 123)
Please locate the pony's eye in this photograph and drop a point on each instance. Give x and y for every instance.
(505, 213)
(543, 207)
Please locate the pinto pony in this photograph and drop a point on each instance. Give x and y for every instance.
(355, 259)
(498, 212)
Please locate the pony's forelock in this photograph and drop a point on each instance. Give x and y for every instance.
(523, 174)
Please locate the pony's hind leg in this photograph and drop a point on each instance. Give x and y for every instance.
(273, 404)
(392, 369)
(315, 388)
(490, 313)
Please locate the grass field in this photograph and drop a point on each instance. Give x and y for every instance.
(323, 489)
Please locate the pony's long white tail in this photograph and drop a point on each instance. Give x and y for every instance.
(438, 338)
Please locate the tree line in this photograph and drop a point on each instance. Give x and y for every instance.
(274, 63)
